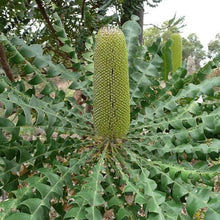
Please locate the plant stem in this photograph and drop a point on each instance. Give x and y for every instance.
(5, 64)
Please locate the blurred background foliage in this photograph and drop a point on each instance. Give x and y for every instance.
(32, 20)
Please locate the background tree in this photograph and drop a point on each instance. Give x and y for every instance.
(214, 46)
(191, 45)
(130, 7)
(174, 25)
(33, 19)
(151, 34)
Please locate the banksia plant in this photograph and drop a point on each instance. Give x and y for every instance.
(111, 84)
(167, 169)
(176, 49)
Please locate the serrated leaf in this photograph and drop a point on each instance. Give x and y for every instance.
(28, 68)
(16, 59)
(49, 87)
(179, 191)
(3, 85)
(55, 182)
(93, 214)
(33, 204)
(15, 99)
(17, 41)
(77, 213)
(213, 211)
(131, 30)
(6, 124)
(36, 80)
(31, 51)
(67, 48)
(115, 201)
(171, 210)
(22, 216)
(154, 202)
(9, 108)
(196, 200)
(88, 56)
(89, 197)
(41, 61)
(122, 213)
(89, 67)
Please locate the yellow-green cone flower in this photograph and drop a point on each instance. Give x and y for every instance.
(176, 49)
(111, 105)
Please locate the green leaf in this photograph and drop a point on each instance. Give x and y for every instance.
(49, 87)
(172, 210)
(16, 59)
(179, 191)
(153, 203)
(88, 56)
(131, 31)
(32, 204)
(89, 67)
(36, 80)
(167, 59)
(31, 51)
(93, 214)
(197, 200)
(9, 108)
(122, 213)
(3, 85)
(6, 124)
(213, 209)
(41, 61)
(89, 197)
(115, 201)
(15, 99)
(76, 213)
(17, 41)
(22, 216)
(28, 68)
(67, 48)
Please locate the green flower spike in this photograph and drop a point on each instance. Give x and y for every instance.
(176, 49)
(111, 84)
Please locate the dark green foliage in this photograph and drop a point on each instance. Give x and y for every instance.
(130, 7)
(35, 21)
(166, 168)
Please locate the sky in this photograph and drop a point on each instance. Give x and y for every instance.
(201, 17)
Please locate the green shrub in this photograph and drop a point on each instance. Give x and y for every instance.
(165, 169)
